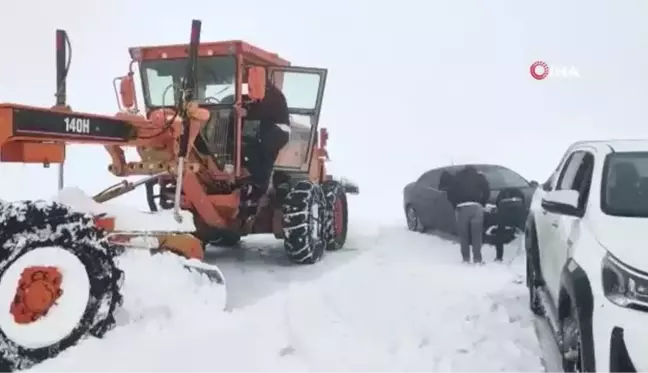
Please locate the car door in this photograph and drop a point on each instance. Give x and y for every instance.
(443, 209)
(568, 228)
(428, 193)
(548, 223)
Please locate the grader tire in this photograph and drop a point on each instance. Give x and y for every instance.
(37, 237)
(304, 215)
(338, 221)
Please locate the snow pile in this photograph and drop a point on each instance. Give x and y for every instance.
(403, 303)
(159, 285)
(126, 218)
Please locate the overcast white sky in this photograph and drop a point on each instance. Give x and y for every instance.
(412, 84)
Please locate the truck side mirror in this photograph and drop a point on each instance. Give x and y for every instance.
(256, 82)
(563, 202)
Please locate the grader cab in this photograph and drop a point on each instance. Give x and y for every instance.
(222, 81)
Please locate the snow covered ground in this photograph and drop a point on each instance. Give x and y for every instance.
(393, 300)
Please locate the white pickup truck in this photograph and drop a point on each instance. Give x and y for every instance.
(587, 267)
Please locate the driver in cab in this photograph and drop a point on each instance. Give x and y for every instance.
(267, 105)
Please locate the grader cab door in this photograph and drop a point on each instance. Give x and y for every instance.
(304, 90)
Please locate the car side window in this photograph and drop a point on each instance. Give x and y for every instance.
(430, 179)
(569, 170)
(550, 184)
(583, 179)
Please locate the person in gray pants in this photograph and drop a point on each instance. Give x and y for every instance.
(470, 226)
(468, 193)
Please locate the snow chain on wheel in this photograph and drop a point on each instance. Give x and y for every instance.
(338, 220)
(304, 215)
(49, 249)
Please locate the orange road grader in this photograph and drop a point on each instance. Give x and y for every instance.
(192, 144)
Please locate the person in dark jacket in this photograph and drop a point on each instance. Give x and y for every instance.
(445, 181)
(469, 194)
(274, 133)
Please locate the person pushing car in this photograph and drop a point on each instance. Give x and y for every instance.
(469, 193)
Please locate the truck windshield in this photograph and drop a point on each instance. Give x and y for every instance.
(163, 80)
(624, 189)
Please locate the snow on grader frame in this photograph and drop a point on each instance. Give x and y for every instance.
(191, 150)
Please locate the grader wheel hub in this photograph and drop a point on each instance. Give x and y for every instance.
(38, 290)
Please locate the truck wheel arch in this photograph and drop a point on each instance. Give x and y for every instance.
(576, 289)
(534, 250)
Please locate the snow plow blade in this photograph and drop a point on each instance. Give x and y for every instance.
(213, 273)
(185, 246)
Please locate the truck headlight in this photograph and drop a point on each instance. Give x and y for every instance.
(623, 285)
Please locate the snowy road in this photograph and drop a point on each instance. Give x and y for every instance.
(392, 301)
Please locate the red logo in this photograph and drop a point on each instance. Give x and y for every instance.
(539, 70)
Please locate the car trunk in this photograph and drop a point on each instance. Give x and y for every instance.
(493, 218)
(527, 191)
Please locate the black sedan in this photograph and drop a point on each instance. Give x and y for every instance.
(427, 206)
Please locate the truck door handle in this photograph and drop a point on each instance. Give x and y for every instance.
(554, 224)
(544, 212)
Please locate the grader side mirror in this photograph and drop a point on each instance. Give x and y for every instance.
(127, 91)
(256, 82)
(126, 94)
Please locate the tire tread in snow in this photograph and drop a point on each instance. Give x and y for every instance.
(29, 225)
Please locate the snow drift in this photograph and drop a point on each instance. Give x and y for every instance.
(404, 303)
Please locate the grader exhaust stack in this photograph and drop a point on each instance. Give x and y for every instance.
(62, 68)
(187, 96)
